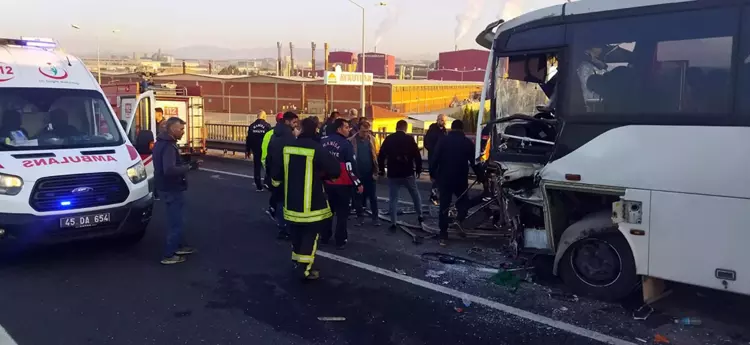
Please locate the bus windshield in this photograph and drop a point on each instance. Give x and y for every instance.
(46, 118)
(519, 89)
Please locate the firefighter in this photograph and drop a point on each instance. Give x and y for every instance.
(271, 211)
(301, 171)
(283, 135)
(340, 190)
(253, 144)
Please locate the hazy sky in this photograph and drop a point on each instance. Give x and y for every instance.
(405, 26)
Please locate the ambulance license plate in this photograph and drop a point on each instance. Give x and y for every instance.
(84, 221)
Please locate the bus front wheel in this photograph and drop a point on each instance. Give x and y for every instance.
(601, 266)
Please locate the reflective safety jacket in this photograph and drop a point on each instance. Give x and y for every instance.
(264, 146)
(305, 165)
(340, 148)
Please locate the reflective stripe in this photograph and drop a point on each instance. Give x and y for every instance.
(307, 217)
(275, 183)
(308, 184)
(312, 255)
(295, 256)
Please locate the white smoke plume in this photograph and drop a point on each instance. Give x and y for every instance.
(468, 17)
(390, 20)
(511, 9)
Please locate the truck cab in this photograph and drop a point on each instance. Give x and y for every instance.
(148, 113)
(68, 171)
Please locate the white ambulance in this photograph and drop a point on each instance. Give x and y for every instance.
(67, 170)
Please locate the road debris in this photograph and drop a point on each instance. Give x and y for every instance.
(564, 296)
(458, 309)
(434, 274)
(642, 340)
(508, 279)
(399, 271)
(331, 318)
(660, 339)
(466, 302)
(688, 321)
(643, 312)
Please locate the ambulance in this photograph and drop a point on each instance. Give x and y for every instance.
(67, 169)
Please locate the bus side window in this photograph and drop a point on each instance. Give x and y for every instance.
(655, 64)
(743, 71)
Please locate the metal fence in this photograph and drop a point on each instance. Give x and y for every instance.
(231, 138)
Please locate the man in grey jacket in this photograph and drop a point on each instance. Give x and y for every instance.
(171, 181)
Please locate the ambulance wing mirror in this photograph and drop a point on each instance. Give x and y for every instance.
(131, 116)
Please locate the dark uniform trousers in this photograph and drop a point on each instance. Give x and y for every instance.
(305, 243)
(446, 191)
(338, 197)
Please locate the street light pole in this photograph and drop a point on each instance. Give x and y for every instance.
(98, 52)
(362, 95)
(229, 95)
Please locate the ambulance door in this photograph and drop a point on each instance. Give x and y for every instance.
(141, 127)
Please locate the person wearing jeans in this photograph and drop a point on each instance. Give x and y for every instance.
(400, 156)
(366, 150)
(170, 179)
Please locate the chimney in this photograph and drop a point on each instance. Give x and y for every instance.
(278, 59)
(325, 56)
(455, 47)
(184, 67)
(210, 67)
(291, 59)
(313, 46)
(375, 49)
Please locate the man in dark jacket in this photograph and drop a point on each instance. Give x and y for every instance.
(171, 182)
(340, 190)
(449, 166)
(328, 125)
(436, 132)
(400, 155)
(253, 144)
(283, 135)
(303, 166)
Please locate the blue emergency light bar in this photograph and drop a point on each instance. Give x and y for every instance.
(37, 42)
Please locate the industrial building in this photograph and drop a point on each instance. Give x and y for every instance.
(380, 65)
(250, 94)
(347, 61)
(461, 65)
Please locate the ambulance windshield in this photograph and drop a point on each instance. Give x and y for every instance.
(43, 118)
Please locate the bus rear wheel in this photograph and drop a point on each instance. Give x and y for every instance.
(601, 266)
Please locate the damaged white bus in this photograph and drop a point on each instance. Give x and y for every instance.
(621, 138)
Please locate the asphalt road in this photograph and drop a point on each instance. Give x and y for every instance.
(238, 289)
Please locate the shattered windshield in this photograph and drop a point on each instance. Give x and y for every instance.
(44, 118)
(515, 95)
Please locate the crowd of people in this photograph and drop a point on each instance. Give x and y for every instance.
(317, 172)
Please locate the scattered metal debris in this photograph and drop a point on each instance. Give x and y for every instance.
(399, 271)
(563, 296)
(331, 318)
(642, 340)
(434, 274)
(643, 312)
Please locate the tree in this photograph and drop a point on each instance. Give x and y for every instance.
(230, 70)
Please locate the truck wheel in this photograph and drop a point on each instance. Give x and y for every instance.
(601, 266)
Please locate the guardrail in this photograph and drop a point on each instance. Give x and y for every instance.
(231, 138)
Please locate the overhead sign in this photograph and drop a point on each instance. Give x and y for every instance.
(339, 77)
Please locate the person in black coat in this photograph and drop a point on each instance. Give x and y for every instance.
(253, 144)
(435, 132)
(400, 155)
(449, 167)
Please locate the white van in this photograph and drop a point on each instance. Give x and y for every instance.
(67, 169)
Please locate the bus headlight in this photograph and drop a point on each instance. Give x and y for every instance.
(10, 184)
(137, 173)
